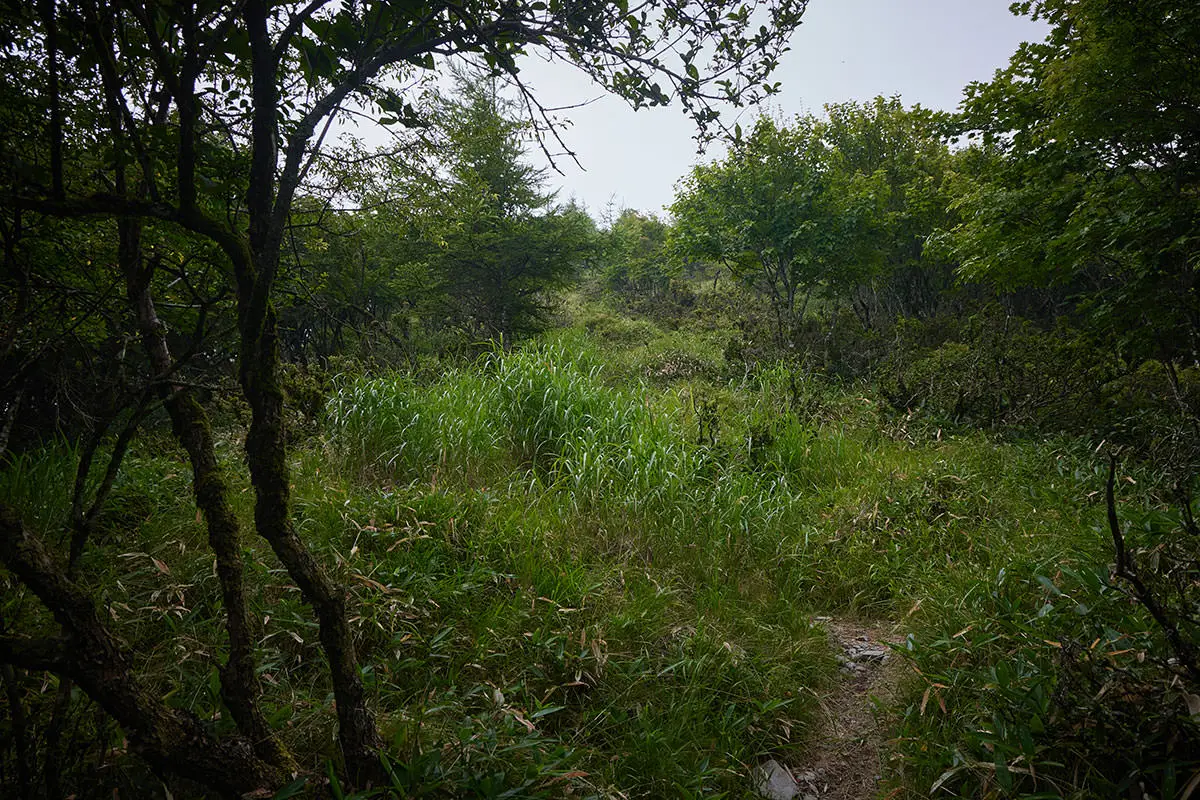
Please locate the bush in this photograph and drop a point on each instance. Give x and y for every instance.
(619, 329)
(993, 369)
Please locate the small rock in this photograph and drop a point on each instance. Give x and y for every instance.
(866, 653)
(875, 655)
(773, 781)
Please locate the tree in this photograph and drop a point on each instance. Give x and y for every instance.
(635, 260)
(840, 207)
(353, 284)
(204, 119)
(759, 212)
(890, 167)
(500, 243)
(1088, 166)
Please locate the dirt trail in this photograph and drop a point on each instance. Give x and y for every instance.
(844, 760)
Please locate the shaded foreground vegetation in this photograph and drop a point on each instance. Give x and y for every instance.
(573, 573)
(491, 499)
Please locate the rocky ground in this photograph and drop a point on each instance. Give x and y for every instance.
(844, 761)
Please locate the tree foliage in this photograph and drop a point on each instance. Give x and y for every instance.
(635, 261)
(204, 120)
(500, 242)
(1088, 165)
(840, 207)
(760, 213)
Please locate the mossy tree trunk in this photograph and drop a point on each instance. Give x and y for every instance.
(169, 739)
(266, 445)
(240, 686)
(150, 58)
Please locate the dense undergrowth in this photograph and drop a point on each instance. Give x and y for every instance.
(589, 567)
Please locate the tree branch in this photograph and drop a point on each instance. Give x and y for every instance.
(295, 23)
(105, 204)
(170, 739)
(1126, 570)
(42, 655)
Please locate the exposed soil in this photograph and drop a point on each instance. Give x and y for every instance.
(845, 759)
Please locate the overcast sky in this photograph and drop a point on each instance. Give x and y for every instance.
(924, 50)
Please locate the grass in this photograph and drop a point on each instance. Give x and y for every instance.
(588, 568)
(753, 504)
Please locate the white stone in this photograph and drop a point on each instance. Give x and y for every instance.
(773, 781)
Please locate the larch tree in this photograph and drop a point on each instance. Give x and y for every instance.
(500, 241)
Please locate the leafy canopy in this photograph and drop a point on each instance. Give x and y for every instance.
(1087, 171)
(820, 205)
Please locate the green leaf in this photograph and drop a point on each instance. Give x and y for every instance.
(545, 712)
(292, 789)
(1049, 584)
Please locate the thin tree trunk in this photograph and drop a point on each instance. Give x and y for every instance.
(20, 730)
(10, 418)
(266, 447)
(240, 687)
(52, 739)
(269, 473)
(49, 16)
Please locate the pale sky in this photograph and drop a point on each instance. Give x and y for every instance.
(924, 50)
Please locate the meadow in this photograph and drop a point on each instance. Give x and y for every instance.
(597, 567)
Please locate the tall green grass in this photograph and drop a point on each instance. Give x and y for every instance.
(566, 576)
(751, 504)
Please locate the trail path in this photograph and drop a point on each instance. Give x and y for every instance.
(844, 761)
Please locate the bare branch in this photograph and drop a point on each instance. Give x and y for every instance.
(1126, 570)
(295, 23)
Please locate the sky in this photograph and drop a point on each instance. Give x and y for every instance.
(926, 51)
